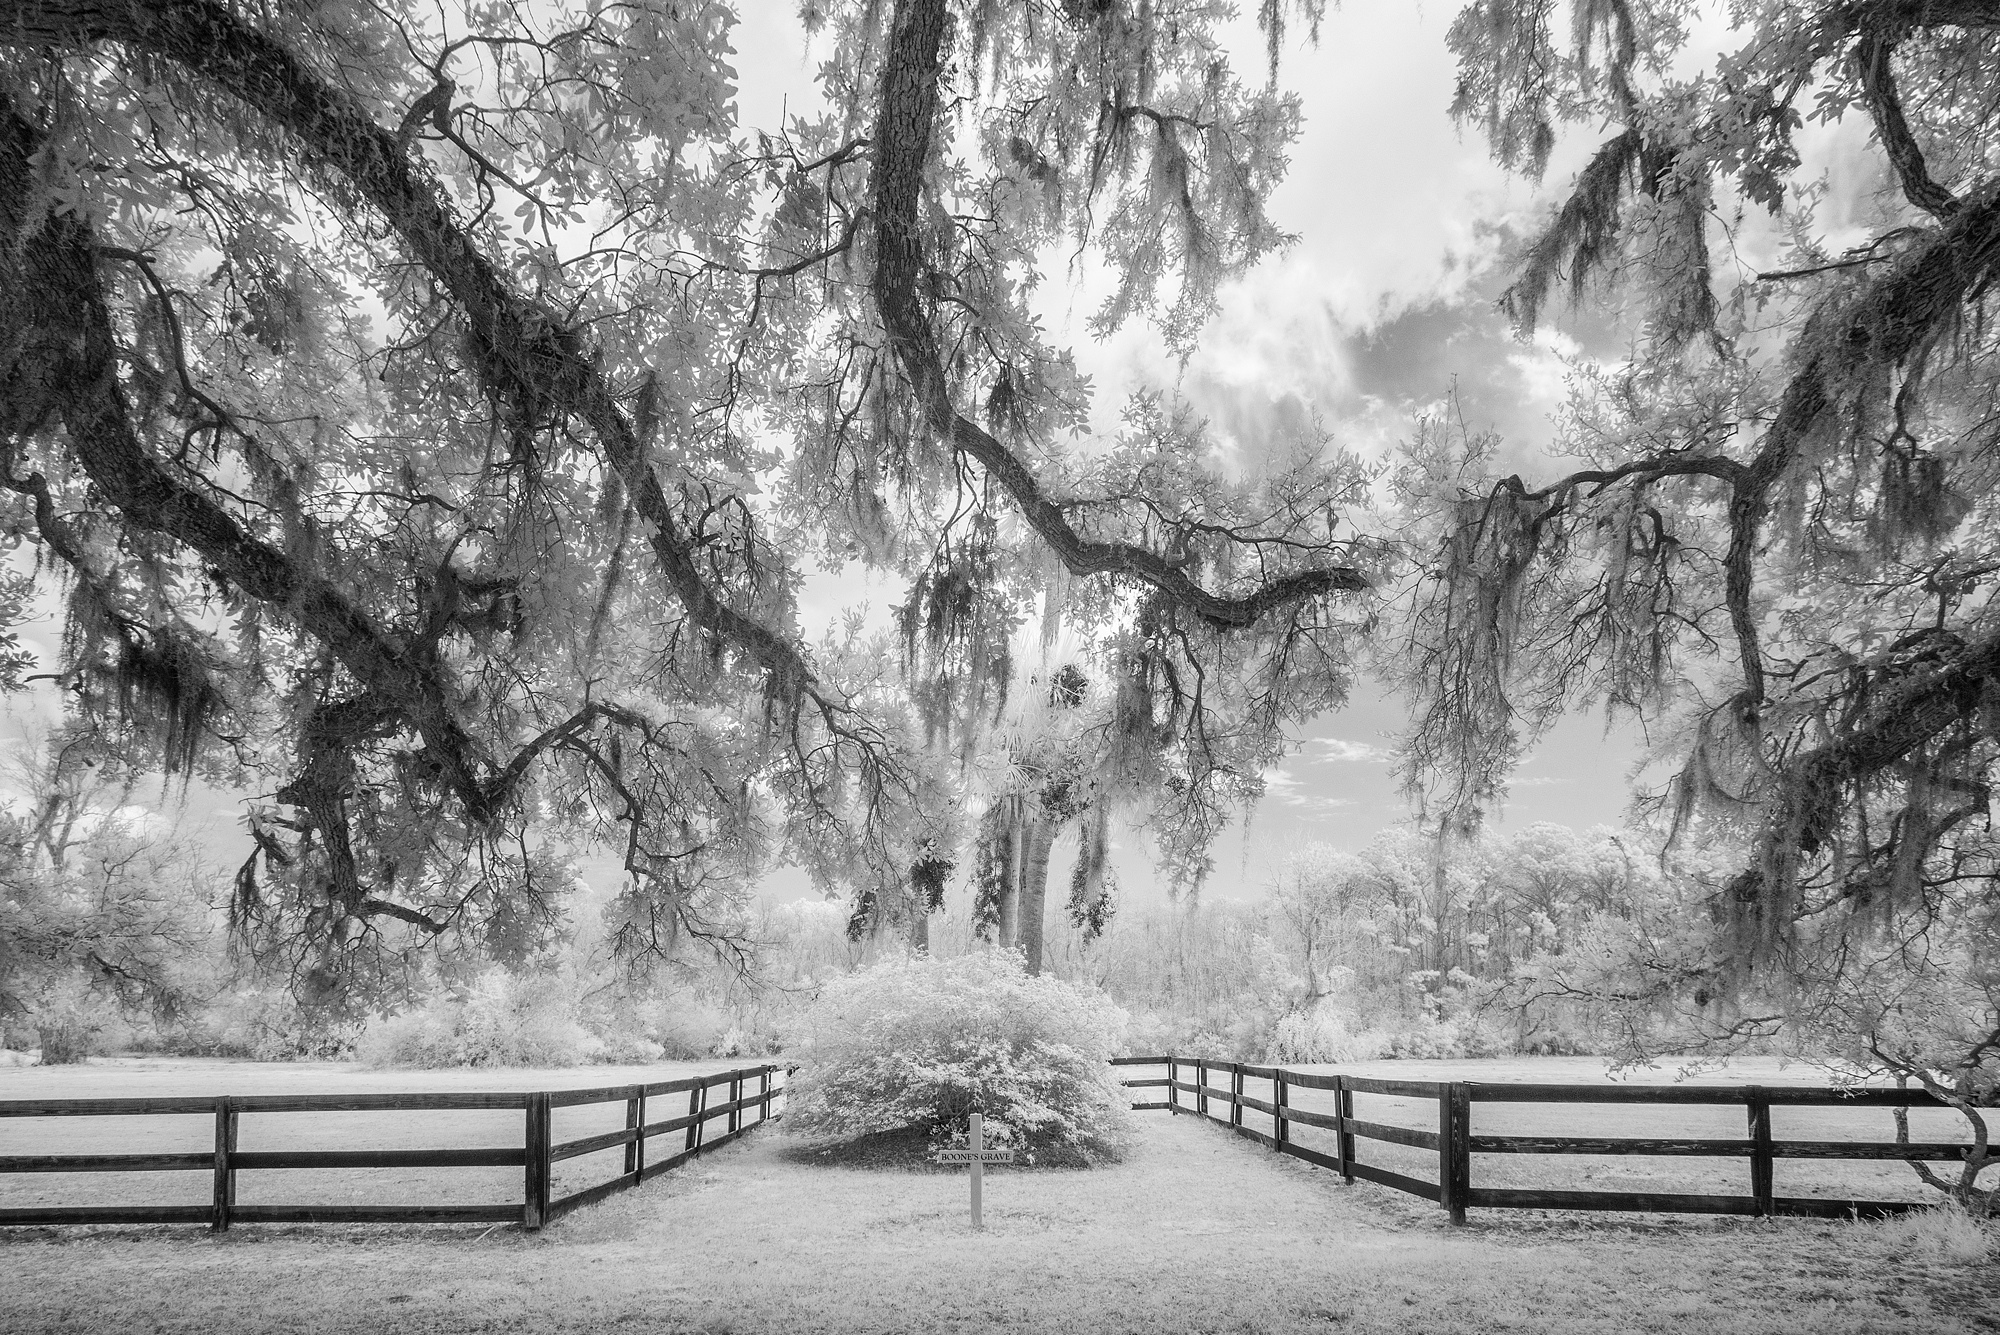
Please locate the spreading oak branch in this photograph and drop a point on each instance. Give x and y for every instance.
(905, 124)
(540, 365)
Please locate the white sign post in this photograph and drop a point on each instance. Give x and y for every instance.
(978, 1156)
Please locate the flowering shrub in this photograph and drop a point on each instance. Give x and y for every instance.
(496, 1020)
(1326, 1034)
(72, 1021)
(923, 1042)
(1245, 1038)
(1449, 1037)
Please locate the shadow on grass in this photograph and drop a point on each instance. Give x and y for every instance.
(250, 1235)
(910, 1150)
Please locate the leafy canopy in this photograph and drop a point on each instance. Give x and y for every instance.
(429, 413)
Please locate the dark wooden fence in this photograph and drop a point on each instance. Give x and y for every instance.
(1455, 1143)
(536, 1156)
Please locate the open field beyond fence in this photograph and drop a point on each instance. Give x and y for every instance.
(355, 1149)
(1772, 1145)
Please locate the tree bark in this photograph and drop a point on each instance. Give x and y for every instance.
(1009, 926)
(1038, 838)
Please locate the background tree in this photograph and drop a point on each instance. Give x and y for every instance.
(106, 917)
(1411, 929)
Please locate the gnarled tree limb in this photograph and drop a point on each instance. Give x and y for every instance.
(64, 355)
(1887, 321)
(906, 122)
(1878, 82)
(541, 365)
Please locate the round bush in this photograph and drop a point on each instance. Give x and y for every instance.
(923, 1043)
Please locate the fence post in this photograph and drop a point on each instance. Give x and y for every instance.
(1278, 1102)
(735, 1097)
(1201, 1085)
(225, 1170)
(1760, 1149)
(1235, 1094)
(1343, 1106)
(1444, 1146)
(535, 1181)
(697, 1104)
(635, 1122)
(1454, 1151)
(764, 1095)
(1173, 1095)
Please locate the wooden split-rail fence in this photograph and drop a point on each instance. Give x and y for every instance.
(1455, 1143)
(690, 1133)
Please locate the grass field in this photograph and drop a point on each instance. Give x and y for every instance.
(1861, 1180)
(1196, 1232)
(456, 1129)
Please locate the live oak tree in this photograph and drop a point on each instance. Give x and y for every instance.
(426, 411)
(1080, 127)
(1778, 550)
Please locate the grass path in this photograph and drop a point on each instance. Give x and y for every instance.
(1197, 1232)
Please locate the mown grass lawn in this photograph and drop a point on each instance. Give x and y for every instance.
(1197, 1231)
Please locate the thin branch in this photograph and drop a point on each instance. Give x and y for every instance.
(143, 263)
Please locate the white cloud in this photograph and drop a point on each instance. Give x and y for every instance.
(1338, 749)
(1376, 240)
(1281, 785)
(1284, 787)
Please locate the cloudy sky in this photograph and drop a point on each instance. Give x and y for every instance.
(1382, 306)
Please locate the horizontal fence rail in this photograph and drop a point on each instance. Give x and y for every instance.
(752, 1094)
(1221, 1083)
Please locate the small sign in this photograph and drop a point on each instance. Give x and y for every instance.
(978, 1156)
